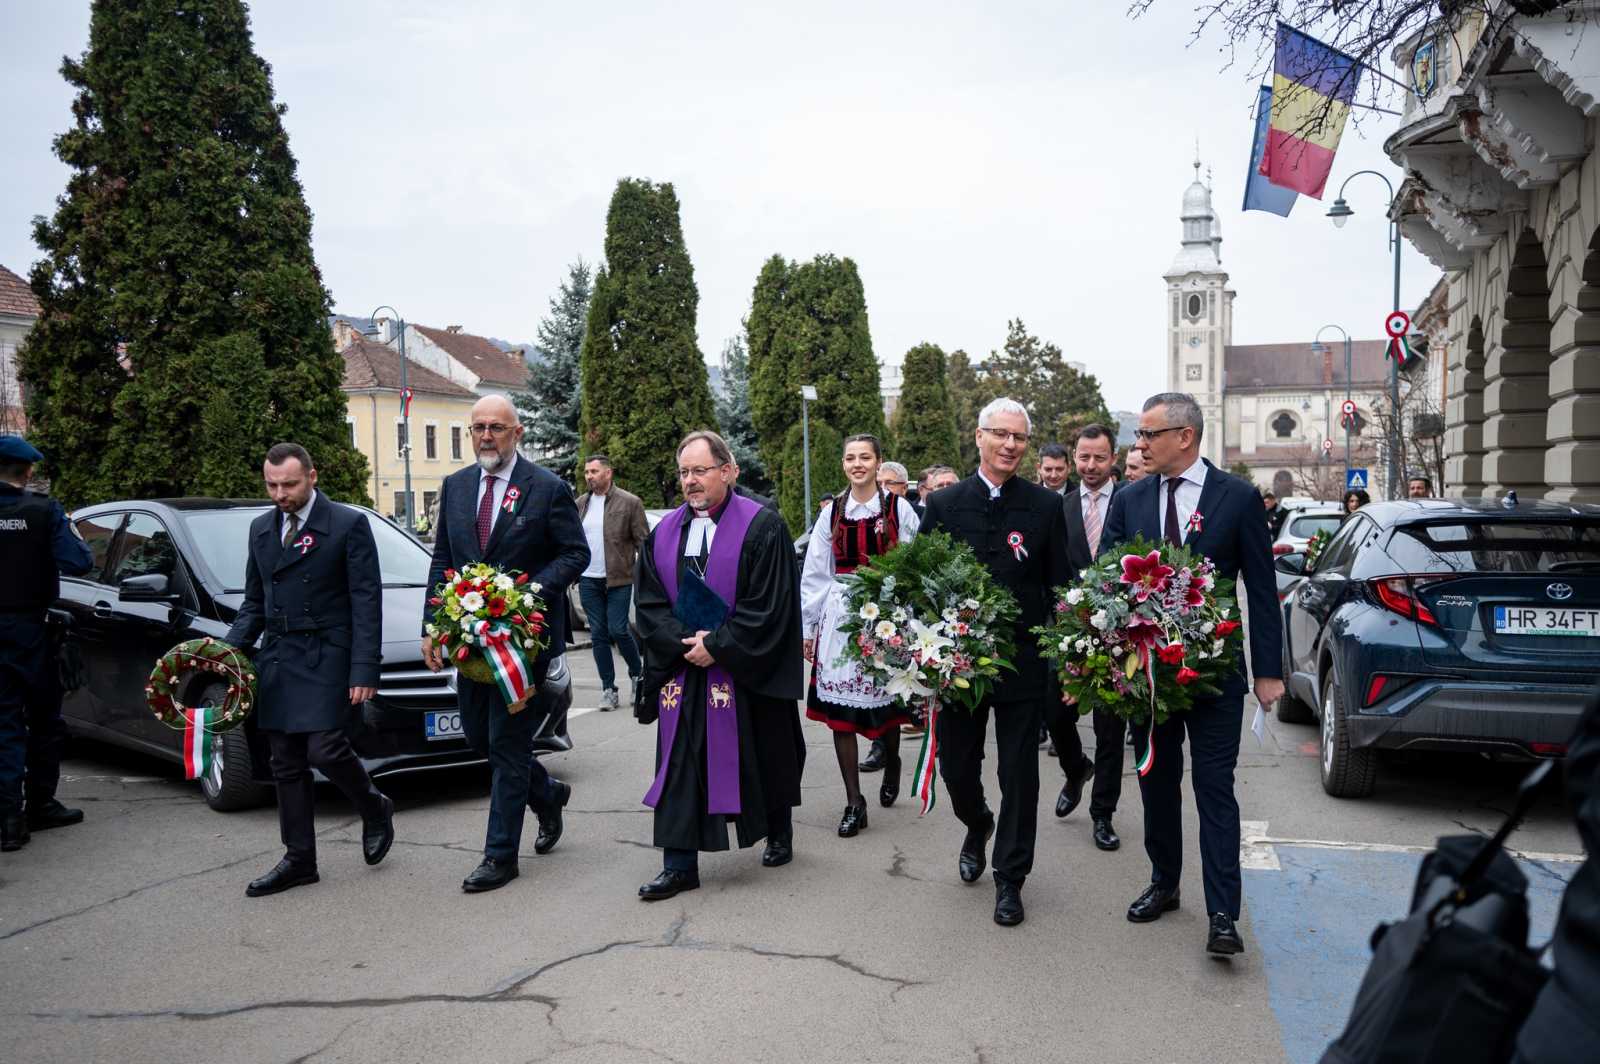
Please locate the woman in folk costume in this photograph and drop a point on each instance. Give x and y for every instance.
(860, 523)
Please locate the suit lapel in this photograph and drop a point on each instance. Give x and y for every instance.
(1210, 494)
(510, 506)
(310, 536)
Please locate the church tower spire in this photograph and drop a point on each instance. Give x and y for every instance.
(1199, 311)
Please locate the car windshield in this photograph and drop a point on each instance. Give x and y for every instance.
(1311, 524)
(220, 536)
(1545, 546)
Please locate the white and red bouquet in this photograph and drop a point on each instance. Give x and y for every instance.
(1147, 629)
(490, 624)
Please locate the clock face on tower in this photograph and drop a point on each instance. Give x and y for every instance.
(1191, 372)
(1194, 341)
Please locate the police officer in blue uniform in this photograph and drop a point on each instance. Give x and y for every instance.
(313, 586)
(37, 544)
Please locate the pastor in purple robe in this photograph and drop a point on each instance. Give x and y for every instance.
(718, 608)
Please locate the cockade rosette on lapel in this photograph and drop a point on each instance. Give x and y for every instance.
(929, 624)
(490, 623)
(1147, 629)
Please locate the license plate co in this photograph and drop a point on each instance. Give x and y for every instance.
(442, 725)
(1543, 620)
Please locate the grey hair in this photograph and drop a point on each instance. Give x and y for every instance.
(1003, 405)
(1182, 411)
(896, 468)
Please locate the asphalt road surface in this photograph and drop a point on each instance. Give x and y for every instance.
(129, 938)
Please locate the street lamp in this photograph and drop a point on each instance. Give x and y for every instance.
(1340, 212)
(807, 394)
(405, 407)
(1318, 348)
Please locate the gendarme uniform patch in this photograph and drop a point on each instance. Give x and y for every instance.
(13, 524)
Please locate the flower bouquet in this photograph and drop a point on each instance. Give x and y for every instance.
(1147, 629)
(929, 624)
(1314, 547)
(490, 624)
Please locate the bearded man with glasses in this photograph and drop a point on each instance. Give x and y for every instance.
(512, 514)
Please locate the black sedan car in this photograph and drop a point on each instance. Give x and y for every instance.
(173, 569)
(1434, 624)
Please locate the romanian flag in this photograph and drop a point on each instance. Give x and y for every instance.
(1312, 89)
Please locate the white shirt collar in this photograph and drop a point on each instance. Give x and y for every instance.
(994, 489)
(304, 511)
(1084, 492)
(853, 508)
(1195, 474)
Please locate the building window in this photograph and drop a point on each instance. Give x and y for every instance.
(430, 442)
(399, 439)
(455, 443)
(1196, 305)
(399, 507)
(428, 499)
(350, 422)
(1283, 425)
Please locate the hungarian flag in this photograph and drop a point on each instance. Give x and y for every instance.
(1313, 86)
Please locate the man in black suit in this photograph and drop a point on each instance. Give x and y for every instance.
(313, 585)
(1187, 500)
(1018, 531)
(512, 514)
(1086, 505)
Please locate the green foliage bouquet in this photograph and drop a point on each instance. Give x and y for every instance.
(1314, 547)
(490, 624)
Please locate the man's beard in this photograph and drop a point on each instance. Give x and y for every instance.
(492, 462)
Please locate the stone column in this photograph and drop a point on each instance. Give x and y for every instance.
(1572, 463)
(1463, 436)
(1516, 394)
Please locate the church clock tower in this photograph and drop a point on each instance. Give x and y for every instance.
(1200, 314)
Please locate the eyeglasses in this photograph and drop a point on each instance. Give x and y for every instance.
(696, 472)
(1019, 438)
(495, 429)
(1150, 434)
(893, 483)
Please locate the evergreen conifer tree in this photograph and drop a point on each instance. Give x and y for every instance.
(808, 325)
(970, 390)
(184, 325)
(733, 414)
(1034, 372)
(924, 428)
(644, 379)
(553, 402)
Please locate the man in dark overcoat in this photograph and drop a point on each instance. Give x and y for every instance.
(514, 515)
(314, 594)
(1018, 531)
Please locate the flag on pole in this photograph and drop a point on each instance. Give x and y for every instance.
(405, 402)
(1259, 193)
(1313, 86)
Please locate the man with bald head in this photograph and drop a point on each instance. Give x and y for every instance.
(514, 515)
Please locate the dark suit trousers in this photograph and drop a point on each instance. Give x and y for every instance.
(518, 781)
(294, 755)
(1062, 722)
(1212, 727)
(961, 734)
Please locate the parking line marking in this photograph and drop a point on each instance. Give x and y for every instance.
(1256, 848)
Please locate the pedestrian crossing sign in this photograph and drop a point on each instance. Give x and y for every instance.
(1355, 480)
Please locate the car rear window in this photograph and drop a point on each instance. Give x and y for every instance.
(1490, 546)
(1310, 525)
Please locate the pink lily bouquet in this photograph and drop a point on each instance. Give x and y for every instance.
(1147, 629)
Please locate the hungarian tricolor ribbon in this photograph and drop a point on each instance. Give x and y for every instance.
(1147, 760)
(925, 779)
(506, 660)
(509, 503)
(197, 756)
(305, 543)
(1014, 541)
(1397, 325)
(405, 402)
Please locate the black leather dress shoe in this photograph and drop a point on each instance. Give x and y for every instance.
(891, 783)
(1072, 790)
(669, 884)
(1223, 938)
(1105, 836)
(873, 762)
(1007, 904)
(550, 819)
(13, 832)
(43, 816)
(287, 874)
(491, 874)
(779, 851)
(854, 819)
(973, 851)
(378, 835)
(1152, 903)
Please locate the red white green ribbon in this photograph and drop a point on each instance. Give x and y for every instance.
(506, 660)
(197, 756)
(1014, 541)
(924, 781)
(1147, 760)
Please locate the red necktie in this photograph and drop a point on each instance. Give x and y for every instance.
(1173, 535)
(486, 513)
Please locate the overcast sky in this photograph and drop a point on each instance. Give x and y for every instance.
(1020, 160)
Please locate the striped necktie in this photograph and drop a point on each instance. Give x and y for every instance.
(1092, 523)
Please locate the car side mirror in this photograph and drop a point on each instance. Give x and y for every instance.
(151, 587)
(1290, 564)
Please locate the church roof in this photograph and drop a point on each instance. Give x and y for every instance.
(16, 298)
(1296, 366)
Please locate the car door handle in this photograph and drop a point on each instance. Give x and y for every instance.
(102, 609)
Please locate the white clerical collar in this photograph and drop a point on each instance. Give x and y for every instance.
(702, 532)
(1195, 474)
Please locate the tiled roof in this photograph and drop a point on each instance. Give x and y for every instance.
(368, 364)
(481, 356)
(16, 297)
(1297, 366)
